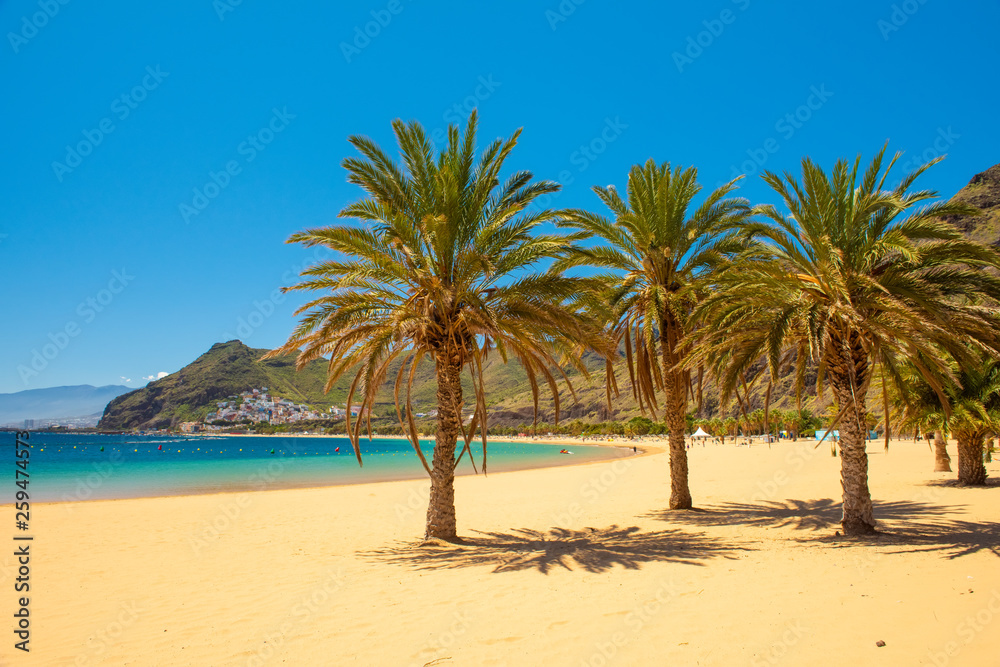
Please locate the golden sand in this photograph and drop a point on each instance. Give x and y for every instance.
(580, 565)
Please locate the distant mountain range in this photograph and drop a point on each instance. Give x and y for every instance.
(55, 403)
(230, 368)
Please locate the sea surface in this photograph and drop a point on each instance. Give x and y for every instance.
(74, 467)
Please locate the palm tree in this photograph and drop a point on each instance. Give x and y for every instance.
(974, 402)
(916, 406)
(445, 266)
(732, 426)
(850, 283)
(659, 252)
(791, 423)
(775, 421)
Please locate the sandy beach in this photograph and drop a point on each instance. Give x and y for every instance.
(577, 565)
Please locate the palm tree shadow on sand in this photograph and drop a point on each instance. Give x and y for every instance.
(908, 526)
(591, 549)
(991, 483)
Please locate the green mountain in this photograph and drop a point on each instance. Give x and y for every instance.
(230, 368)
(225, 370)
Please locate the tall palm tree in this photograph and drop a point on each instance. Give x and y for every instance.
(445, 265)
(849, 282)
(658, 251)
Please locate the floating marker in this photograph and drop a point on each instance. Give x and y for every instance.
(272, 450)
(102, 448)
(160, 448)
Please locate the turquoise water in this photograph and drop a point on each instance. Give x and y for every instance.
(74, 467)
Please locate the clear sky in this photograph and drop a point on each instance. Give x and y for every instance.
(116, 113)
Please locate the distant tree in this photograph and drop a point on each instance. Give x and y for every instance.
(640, 425)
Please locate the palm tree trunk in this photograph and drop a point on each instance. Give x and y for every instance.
(971, 470)
(674, 408)
(859, 517)
(441, 519)
(942, 462)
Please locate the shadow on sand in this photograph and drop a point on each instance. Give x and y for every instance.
(590, 549)
(991, 483)
(909, 526)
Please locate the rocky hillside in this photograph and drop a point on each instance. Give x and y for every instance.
(225, 370)
(983, 192)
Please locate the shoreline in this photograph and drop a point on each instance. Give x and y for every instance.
(625, 453)
(292, 576)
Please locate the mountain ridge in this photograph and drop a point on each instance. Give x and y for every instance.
(50, 403)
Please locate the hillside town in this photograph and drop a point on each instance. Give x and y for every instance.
(257, 406)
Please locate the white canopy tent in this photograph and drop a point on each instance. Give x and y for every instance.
(700, 434)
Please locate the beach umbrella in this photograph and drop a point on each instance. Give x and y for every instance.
(700, 434)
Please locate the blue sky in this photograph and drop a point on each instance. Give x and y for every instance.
(109, 277)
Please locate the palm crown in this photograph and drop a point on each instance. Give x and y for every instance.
(446, 267)
(849, 282)
(658, 251)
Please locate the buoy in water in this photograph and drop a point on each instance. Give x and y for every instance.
(272, 450)
(160, 448)
(102, 448)
(337, 449)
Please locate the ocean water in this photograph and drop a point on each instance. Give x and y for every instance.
(74, 467)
